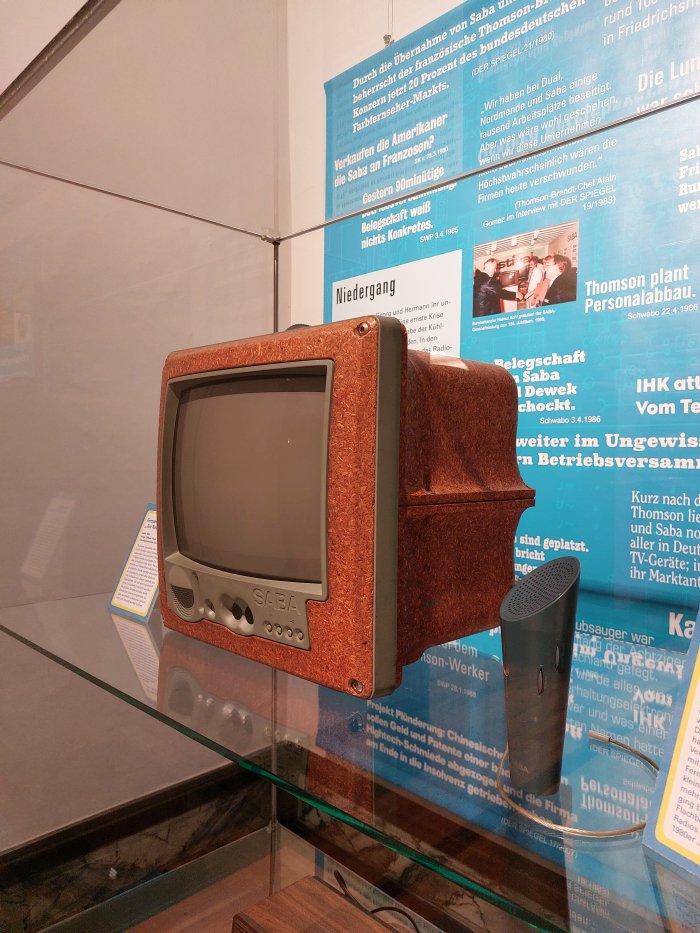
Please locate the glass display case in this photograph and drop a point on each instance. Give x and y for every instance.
(411, 779)
(172, 180)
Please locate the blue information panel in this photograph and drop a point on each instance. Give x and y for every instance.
(576, 268)
(492, 81)
(673, 831)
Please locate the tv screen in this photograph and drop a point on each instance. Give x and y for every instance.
(249, 477)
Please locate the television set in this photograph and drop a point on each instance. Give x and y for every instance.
(331, 503)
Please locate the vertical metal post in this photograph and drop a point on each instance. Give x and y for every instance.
(274, 836)
(276, 286)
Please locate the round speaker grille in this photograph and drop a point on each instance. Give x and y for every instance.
(183, 598)
(540, 588)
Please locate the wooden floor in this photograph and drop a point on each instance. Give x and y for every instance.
(212, 909)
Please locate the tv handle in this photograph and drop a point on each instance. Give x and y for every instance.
(538, 622)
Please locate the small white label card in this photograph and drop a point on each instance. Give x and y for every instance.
(673, 827)
(137, 588)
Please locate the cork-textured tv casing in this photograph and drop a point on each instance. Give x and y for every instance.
(419, 500)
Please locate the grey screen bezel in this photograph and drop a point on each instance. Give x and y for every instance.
(173, 558)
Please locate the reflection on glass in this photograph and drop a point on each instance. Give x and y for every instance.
(95, 291)
(18, 296)
(141, 641)
(48, 536)
(221, 696)
(427, 755)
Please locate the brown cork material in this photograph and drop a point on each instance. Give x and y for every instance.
(455, 567)
(340, 628)
(460, 498)
(458, 424)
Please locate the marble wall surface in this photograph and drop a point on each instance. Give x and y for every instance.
(96, 797)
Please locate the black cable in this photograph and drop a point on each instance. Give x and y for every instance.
(377, 910)
(397, 910)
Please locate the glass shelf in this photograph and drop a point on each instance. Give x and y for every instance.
(416, 771)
